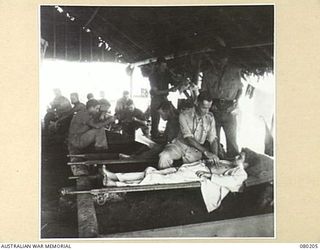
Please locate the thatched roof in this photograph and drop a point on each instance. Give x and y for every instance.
(135, 34)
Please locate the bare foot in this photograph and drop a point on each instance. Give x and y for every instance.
(108, 174)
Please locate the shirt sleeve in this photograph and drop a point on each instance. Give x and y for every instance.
(212, 133)
(184, 126)
(139, 114)
(78, 108)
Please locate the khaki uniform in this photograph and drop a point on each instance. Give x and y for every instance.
(223, 86)
(81, 135)
(201, 128)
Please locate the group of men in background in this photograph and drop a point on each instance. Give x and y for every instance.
(190, 135)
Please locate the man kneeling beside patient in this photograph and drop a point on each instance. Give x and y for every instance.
(197, 125)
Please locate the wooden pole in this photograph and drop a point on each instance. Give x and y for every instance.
(131, 83)
(92, 17)
(65, 41)
(252, 46)
(80, 44)
(54, 34)
(87, 218)
(91, 57)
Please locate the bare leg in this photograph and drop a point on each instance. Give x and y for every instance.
(110, 178)
(108, 182)
(109, 174)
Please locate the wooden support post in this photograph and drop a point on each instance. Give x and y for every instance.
(91, 58)
(80, 44)
(65, 41)
(87, 218)
(54, 34)
(131, 84)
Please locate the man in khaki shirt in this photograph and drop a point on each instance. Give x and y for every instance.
(86, 129)
(197, 125)
(223, 83)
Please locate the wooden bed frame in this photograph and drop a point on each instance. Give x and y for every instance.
(87, 219)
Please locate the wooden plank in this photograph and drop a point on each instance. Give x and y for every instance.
(113, 162)
(96, 156)
(87, 219)
(136, 188)
(141, 188)
(251, 226)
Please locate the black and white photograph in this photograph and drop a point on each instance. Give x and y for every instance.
(157, 121)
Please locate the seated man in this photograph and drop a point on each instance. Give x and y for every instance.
(132, 119)
(122, 102)
(90, 96)
(104, 103)
(168, 113)
(86, 129)
(75, 101)
(64, 121)
(197, 125)
(60, 104)
(49, 120)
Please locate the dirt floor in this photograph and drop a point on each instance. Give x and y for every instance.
(137, 211)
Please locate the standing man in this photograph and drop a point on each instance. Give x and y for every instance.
(196, 127)
(159, 83)
(225, 88)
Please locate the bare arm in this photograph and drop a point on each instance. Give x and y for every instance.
(190, 141)
(214, 146)
(142, 122)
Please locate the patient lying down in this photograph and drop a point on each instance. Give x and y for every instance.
(216, 181)
(196, 171)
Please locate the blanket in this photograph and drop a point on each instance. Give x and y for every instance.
(213, 190)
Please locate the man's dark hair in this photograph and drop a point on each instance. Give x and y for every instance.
(92, 103)
(204, 96)
(165, 106)
(129, 102)
(90, 95)
(126, 92)
(74, 94)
